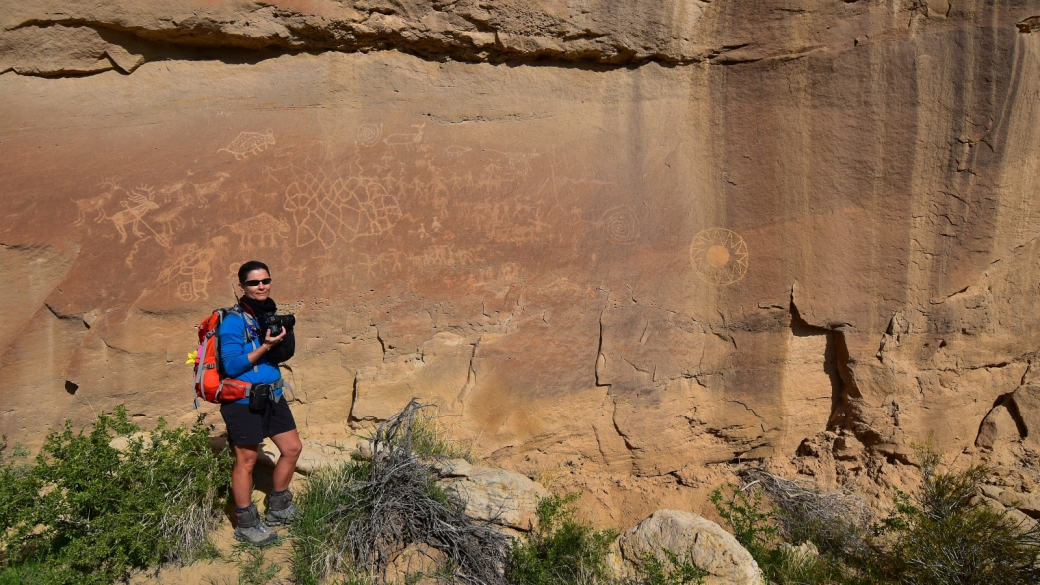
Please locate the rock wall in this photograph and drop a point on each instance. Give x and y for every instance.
(618, 245)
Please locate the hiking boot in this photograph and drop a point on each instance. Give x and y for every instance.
(280, 509)
(250, 529)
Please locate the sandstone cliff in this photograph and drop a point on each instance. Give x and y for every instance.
(618, 242)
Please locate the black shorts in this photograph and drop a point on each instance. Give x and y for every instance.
(249, 427)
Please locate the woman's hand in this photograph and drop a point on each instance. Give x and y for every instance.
(270, 342)
(266, 346)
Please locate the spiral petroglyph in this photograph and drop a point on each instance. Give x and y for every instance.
(368, 134)
(719, 256)
(621, 225)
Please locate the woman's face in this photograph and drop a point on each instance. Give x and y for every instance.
(260, 291)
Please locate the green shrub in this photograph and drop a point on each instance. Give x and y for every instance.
(757, 530)
(85, 512)
(947, 535)
(752, 527)
(560, 550)
(677, 571)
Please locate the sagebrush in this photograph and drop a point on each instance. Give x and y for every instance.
(358, 518)
(85, 512)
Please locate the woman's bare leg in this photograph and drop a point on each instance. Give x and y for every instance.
(289, 445)
(242, 474)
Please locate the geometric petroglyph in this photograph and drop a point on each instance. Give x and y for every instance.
(329, 205)
(620, 224)
(248, 143)
(368, 134)
(719, 256)
(260, 226)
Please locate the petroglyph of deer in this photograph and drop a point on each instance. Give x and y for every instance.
(133, 211)
(175, 188)
(96, 205)
(204, 190)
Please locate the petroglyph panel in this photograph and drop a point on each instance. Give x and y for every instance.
(518, 206)
(719, 256)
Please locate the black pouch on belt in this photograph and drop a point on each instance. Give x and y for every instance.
(259, 396)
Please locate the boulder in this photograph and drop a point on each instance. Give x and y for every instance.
(688, 535)
(997, 427)
(802, 553)
(1028, 504)
(494, 495)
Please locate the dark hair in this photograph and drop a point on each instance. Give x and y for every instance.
(250, 266)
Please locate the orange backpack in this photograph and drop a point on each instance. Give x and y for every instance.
(210, 383)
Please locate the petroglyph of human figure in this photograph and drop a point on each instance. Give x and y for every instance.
(247, 143)
(196, 265)
(260, 226)
(134, 210)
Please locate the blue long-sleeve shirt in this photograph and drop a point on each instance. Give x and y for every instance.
(234, 355)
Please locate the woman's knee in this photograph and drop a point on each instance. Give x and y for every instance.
(245, 458)
(289, 444)
(292, 449)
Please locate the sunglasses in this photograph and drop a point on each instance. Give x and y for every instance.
(257, 282)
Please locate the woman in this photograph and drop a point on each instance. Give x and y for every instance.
(249, 354)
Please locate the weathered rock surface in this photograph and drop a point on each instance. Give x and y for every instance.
(688, 536)
(622, 244)
(494, 495)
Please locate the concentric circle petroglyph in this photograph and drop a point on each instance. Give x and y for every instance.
(719, 256)
(621, 225)
(368, 134)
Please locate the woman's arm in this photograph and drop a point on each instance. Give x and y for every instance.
(235, 356)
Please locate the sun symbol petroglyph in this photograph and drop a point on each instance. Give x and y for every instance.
(329, 204)
(368, 134)
(247, 143)
(262, 226)
(620, 224)
(719, 256)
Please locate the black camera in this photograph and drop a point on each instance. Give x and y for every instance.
(275, 323)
